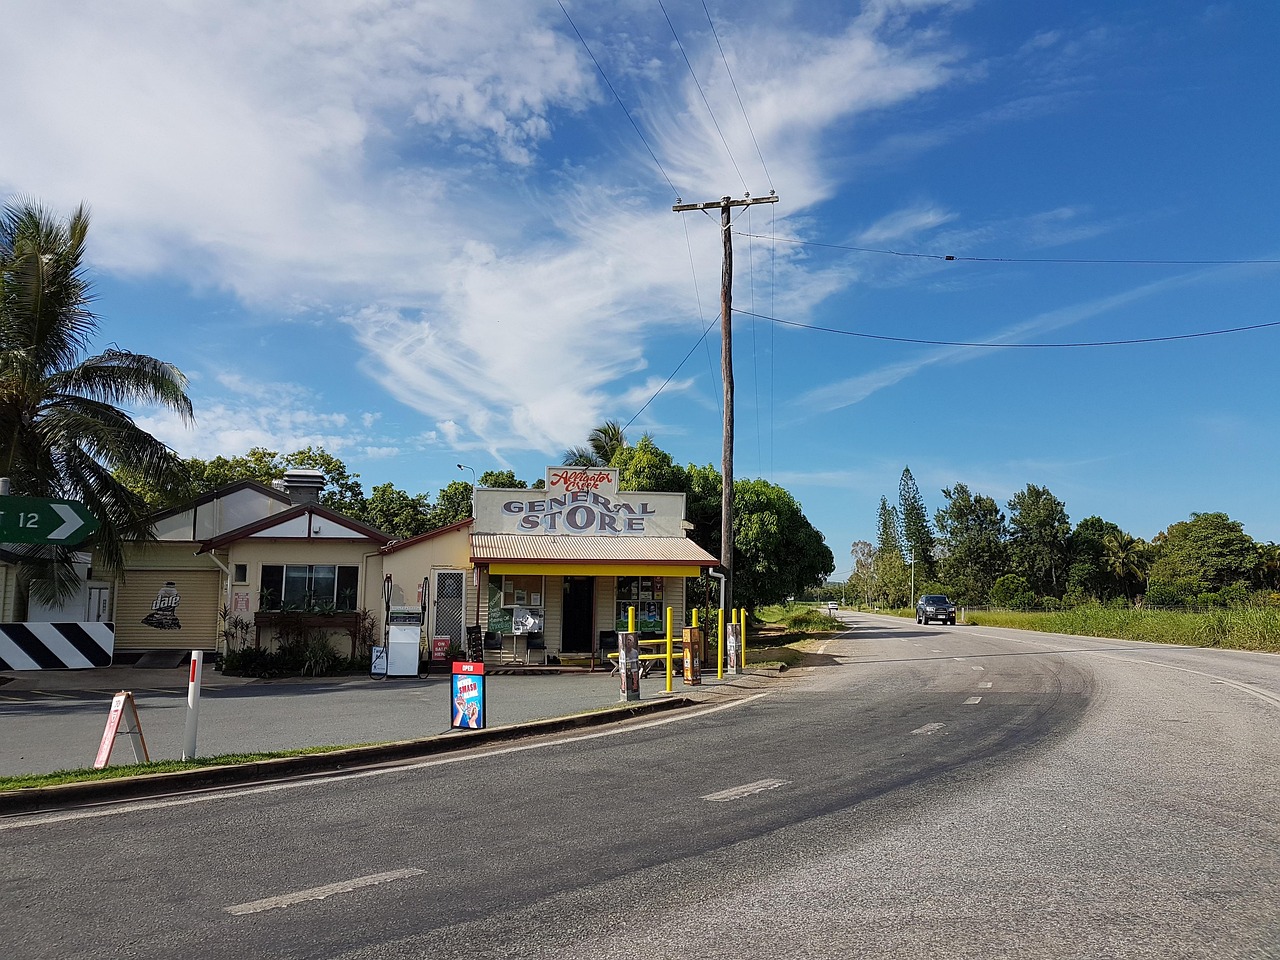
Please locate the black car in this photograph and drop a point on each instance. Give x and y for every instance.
(934, 606)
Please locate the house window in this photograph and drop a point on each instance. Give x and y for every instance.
(316, 587)
(240, 573)
(645, 594)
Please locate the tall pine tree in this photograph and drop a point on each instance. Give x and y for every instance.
(916, 531)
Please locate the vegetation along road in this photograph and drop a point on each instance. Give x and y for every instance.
(915, 791)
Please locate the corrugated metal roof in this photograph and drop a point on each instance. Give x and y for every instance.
(555, 548)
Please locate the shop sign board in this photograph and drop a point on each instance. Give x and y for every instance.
(467, 696)
(38, 520)
(580, 502)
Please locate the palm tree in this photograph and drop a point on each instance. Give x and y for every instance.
(1127, 558)
(62, 431)
(603, 444)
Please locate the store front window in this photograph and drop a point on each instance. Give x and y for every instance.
(645, 594)
(516, 604)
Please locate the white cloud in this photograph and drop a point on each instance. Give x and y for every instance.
(374, 162)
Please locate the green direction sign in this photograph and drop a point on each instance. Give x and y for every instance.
(36, 520)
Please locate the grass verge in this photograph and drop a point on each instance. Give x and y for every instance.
(784, 636)
(59, 777)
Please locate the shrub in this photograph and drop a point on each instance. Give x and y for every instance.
(1012, 591)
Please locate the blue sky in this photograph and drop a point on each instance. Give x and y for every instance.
(424, 233)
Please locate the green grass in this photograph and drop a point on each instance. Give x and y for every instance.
(1234, 628)
(59, 777)
(785, 634)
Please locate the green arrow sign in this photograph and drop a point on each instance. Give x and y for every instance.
(36, 520)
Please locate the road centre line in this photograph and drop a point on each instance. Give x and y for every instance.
(39, 820)
(985, 684)
(320, 893)
(928, 729)
(977, 668)
(972, 700)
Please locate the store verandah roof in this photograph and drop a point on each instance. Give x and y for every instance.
(557, 554)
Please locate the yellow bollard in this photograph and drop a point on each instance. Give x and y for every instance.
(669, 613)
(695, 618)
(631, 619)
(720, 642)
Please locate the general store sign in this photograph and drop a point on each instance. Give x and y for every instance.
(580, 501)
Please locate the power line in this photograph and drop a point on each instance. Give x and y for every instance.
(710, 112)
(940, 256)
(608, 84)
(734, 84)
(705, 331)
(961, 343)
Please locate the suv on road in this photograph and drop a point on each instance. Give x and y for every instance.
(934, 606)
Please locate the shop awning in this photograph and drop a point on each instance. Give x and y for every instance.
(554, 554)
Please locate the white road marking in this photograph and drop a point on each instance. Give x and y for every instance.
(935, 651)
(478, 753)
(746, 790)
(959, 659)
(928, 728)
(972, 700)
(319, 893)
(979, 668)
(985, 683)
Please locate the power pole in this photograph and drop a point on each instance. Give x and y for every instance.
(726, 369)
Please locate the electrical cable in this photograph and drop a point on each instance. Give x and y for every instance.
(673, 373)
(961, 343)
(1068, 260)
(707, 102)
(742, 106)
(608, 84)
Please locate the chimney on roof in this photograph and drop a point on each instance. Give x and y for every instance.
(303, 486)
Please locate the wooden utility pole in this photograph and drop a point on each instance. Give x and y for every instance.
(726, 369)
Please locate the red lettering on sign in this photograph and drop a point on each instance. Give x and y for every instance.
(579, 479)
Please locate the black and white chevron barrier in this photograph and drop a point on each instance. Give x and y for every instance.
(56, 646)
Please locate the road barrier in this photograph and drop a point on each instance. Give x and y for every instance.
(56, 646)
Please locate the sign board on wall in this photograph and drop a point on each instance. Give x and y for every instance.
(580, 502)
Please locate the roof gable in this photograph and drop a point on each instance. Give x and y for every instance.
(308, 521)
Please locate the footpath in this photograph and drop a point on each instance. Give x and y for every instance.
(53, 720)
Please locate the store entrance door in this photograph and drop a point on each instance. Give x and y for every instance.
(579, 614)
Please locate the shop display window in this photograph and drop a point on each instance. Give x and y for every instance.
(516, 603)
(646, 595)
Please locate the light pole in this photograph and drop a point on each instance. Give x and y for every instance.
(463, 466)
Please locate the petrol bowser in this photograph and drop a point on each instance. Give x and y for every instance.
(404, 640)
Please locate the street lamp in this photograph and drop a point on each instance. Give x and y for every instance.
(463, 466)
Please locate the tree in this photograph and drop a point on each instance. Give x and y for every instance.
(702, 506)
(972, 537)
(1128, 559)
(863, 572)
(502, 480)
(777, 552)
(62, 427)
(1089, 574)
(603, 444)
(646, 467)
(888, 532)
(394, 512)
(1038, 531)
(1202, 555)
(916, 532)
(452, 505)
